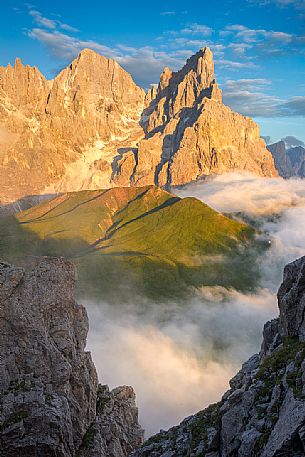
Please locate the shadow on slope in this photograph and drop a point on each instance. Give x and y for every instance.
(136, 241)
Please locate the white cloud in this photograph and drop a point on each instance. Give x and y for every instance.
(197, 29)
(42, 21)
(145, 63)
(235, 65)
(249, 97)
(66, 47)
(295, 106)
(168, 13)
(256, 35)
(47, 23)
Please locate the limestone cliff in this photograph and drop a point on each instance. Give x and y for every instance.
(263, 413)
(49, 395)
(64, 134)
(93, 127)
(190, 133)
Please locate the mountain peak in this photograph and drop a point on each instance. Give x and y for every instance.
(89, 53)
(202, 64)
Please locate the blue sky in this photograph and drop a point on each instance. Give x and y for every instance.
(258, 46)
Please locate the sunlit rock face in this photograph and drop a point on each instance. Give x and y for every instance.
(50, 401)
(64, 134)
(93, 127)
(263, 413)
(190, 133)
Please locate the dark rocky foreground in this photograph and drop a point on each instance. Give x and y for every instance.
(263, 413)
(50, 400)
(51, 403)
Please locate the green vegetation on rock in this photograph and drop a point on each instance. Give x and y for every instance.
(143, 238)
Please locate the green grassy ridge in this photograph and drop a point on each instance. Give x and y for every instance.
(147, 237)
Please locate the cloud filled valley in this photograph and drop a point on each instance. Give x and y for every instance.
(180, 356)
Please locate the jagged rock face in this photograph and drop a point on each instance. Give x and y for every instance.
(263, 413)
(281, 160)
(48, 383)
(191, 134)
(64, 134)
(93, 127)
(297, 159)
(115, 431)
(291, 299)
(289, 162)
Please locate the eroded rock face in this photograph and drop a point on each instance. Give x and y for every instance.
(115, 431)
(263, 413)
(288, 161)
(64, 134)
(49, 395)
(281, 159)
(191, 134)
(93, 127)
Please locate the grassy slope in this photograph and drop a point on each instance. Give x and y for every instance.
(141, 236)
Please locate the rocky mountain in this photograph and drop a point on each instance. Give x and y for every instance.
(142, 239)
(263, 413)
(281, 159)
(297, 160)
(50, 401)
(190, 133)
(288, 161)
(52, 132)
(92, 127)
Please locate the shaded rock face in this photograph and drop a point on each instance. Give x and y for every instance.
(297, 159)
(289, 162)
(281, 159)
(93, 127)
(48, 383)
(115, 431)
(263, 413)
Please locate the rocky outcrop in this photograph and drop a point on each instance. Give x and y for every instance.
(263, 413)
(281, 159)
(190, 133)
(92, 127)
(49, 395)
(64, 134)
(288, 161)
(115, 431)
(297, 160)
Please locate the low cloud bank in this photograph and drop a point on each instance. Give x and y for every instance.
(179, 357)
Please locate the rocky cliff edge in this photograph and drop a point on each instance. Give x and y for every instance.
(263, 413)
(50, 401)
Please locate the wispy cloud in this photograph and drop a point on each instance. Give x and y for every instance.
(295, 106)
(235, 48)
(298, 4)
(48, 23)
(197, 29)
(66, 47)
(232, 64)
(168, 13)
(42, 21)
(250, 97)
